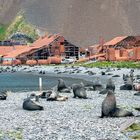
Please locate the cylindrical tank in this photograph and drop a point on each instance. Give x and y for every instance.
(83, 59)
(16, 62)
(101, 58)
(7, 63)
(54, 60)
(43, 62)
(31, 62)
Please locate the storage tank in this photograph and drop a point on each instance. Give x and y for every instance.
(43, 62)
(55, 60)
(31, 62)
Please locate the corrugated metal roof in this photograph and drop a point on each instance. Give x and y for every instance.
(40, 43)
(115, 40)
(6, 49)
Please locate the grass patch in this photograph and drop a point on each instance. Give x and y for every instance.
(106, 64)
(88, 107)
(2, 32)
(19, 24)
(13, 134)
(133, 127)
(136, 137)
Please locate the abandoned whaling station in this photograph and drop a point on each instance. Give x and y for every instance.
(55, 49)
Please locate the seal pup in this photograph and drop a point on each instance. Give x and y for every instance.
(62, 86)
(31, 105)
(3, 95)
(79, 91)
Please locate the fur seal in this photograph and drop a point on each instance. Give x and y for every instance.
(104, 91)
(137, 94)
(79, 91)
(3, 95)
(137, 108)
(116, 75)
(62, 86)
(109, 108)
(121, 113)
(110, 85)
(126, 87)
(31, 105)
(103, 73)
(54, 96)
(109, 104)
(128, 84)
(97, 85)
(45, 94)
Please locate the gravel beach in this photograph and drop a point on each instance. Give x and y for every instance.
(74, 119)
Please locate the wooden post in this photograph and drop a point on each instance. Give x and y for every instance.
(40, 85)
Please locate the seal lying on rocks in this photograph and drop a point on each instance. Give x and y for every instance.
(62, 86)
(3, 95)
(79, 91)
(128, 85)
(31, 105)
(121, 113)
(137, 94)
(109, 108)
(44, 94)
(137, 108)
(54, 96)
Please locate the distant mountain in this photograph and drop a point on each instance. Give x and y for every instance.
(83, 22)
(9, 9)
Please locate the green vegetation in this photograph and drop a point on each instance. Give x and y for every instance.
(133, 127)
(13, 134)
(2, 32)
(87, 107)
(19, 24)
(137, 137)
(105, 64)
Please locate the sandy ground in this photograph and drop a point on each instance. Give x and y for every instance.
(74, 119)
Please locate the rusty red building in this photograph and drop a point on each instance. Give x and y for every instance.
(121, 48)
(45, 50)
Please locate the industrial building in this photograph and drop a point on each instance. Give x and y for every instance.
(121, 48)
(45, 50)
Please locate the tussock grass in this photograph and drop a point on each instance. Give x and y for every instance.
(19, 24)
(106, 64)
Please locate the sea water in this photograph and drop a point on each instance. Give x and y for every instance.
(29, 82)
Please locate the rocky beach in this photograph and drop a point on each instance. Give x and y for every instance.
(77, 119)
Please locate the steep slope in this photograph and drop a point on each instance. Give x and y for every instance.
(84, 21)
(8, 10)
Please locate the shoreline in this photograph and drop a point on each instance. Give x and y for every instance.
(73, 119)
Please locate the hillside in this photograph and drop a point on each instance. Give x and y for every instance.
(84, 21)
(18, 24)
